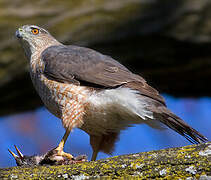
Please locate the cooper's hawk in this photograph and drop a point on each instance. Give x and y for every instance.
(93, 92)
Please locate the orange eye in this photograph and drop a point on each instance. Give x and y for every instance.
(35, 31)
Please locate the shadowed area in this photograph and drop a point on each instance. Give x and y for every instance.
(167, 42)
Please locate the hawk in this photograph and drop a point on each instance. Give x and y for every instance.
(93, 92)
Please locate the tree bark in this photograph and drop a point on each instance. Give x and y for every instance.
(175, 163)
(167, 42)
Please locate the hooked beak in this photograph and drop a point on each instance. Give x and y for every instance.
(19, 33)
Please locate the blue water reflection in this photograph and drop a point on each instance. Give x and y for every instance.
(38, 131)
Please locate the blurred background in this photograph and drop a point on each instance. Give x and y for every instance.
(168, 43)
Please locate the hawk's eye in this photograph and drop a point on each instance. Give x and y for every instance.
(35, 31)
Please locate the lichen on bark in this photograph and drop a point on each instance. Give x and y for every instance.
(192, 161)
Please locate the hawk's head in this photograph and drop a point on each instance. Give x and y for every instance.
(34, 38)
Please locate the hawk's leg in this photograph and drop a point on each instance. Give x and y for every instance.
(103, 142)
(60, 147)
(95, 142)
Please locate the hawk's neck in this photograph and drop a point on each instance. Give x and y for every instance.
(36, 63)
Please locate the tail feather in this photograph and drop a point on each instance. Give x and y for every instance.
(178, 125)
(156, 104)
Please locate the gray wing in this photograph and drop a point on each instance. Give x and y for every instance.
(78, 65)
(73, 64)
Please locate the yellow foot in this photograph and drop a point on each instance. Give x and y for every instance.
(64, 154)
(59, 153)
(58, 157)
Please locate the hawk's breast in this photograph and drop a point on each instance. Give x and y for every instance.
(66, 101)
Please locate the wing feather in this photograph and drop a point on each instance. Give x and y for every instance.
(73, 64)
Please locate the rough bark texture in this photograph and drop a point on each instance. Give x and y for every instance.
(168, 42)
(175, 163)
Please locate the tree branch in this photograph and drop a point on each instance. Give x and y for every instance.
(184, 162)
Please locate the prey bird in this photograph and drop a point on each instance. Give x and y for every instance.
(93, 92)
(49, 158)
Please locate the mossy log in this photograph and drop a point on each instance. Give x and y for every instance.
(167, 42)
(192, 161)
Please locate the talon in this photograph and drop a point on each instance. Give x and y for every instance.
(63, 154)
(67, 155)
